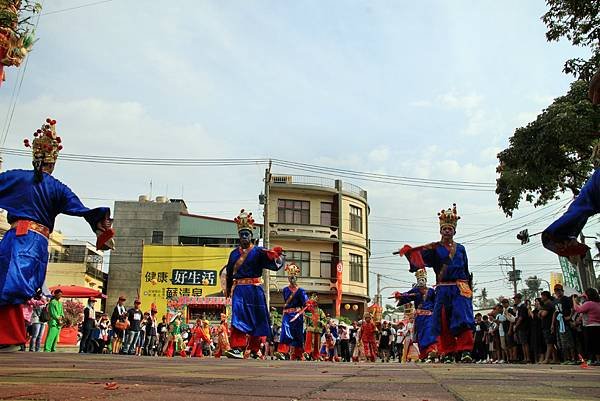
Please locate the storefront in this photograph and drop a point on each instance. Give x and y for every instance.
(184, 279)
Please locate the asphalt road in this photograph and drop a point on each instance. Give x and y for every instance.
(66, 376)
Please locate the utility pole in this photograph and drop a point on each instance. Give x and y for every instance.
(514, 271)
(514, 275)
(266, 272)
(378, 296)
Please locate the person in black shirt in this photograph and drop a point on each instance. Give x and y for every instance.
(561, 325)
(162, 332)
(88, 325)
(150, 342)
(481, 327)
(522, 324)
(134, 315)
(546, 315)
(536, 336)
(119, 315)
(385, 340)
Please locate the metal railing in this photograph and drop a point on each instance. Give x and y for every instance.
(303, 180)
(354, 189)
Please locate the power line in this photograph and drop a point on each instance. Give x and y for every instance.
(327, 171)
(76, 7)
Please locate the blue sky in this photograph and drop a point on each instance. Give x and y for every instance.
(429, 89)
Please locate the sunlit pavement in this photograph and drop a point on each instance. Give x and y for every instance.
(65, 376)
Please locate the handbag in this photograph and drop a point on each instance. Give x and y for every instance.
(122, 324)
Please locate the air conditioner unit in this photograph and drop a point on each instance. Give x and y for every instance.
(282, 179)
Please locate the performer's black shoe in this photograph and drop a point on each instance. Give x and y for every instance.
(307, 356)
(466, 357)
(255, 355)
(234, 354)
(448, 359)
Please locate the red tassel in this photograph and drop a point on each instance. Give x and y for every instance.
(404, 250)
(416, 259)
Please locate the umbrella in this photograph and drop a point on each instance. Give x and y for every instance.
(76, 291)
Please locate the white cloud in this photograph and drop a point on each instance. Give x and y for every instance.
(380, 154)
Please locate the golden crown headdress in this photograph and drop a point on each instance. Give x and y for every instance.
(449, 217)
(292, 270)
(421, 274)
(47, 144)
(244, 221)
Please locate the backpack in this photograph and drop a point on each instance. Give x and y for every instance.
(44, 314)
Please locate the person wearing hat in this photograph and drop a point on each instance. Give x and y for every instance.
(134, 315)
(88, 325)
(33, 199)
(367, 337)
(292, 321)
(453, 310)
(55, 310)
(315, 323)
(119, 323)
(424, 300)
(222, 337)
(561, 325)
(250, 321)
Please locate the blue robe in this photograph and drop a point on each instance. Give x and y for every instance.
(570, 224)
(23, 259)
(249, 312)
(292, 333)
(423, 323)
(448, 268)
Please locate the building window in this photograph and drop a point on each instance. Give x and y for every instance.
(326, 213)
(326, 264)
(300, 259)
(157, 237)
(356, 219)
(293, 211)
(356, 268)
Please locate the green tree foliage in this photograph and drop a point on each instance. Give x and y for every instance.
(579, 22)
(534, 287)
(482, 301)
(551, 154)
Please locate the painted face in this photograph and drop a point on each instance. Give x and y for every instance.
(421, 282)
(245, 238)
(447, 232)
(293, 280)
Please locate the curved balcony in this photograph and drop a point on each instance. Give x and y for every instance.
(320, 182)
(290, 230)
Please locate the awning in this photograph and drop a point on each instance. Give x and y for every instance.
(76, 291)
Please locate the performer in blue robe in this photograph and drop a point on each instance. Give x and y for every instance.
(453, 311)
(424, 300)
(249, 314)
(561, 236)
(33, 199)
(292, 322)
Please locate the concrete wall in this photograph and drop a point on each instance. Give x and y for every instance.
(70, 274)
(134, 223)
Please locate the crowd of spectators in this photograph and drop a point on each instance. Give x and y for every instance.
(555, 329)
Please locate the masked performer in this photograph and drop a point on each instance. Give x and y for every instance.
(453, 310)
(367, 337)
(222, 337)
(250, 321)
(33, 199)
(292, 322)
(315, 318)
(424, 299)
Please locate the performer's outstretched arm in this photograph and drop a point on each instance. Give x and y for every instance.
(570, 224)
